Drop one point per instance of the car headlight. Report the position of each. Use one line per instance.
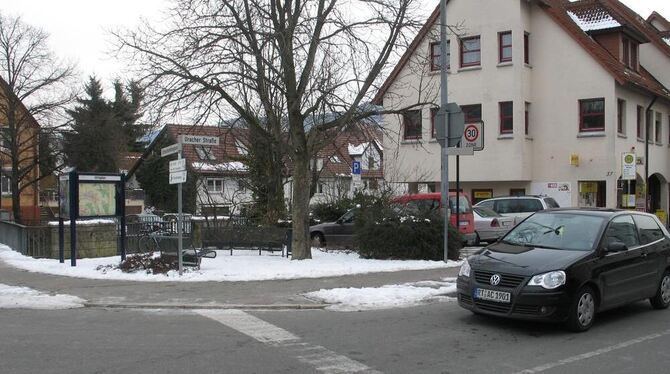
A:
(550, 280)
(465, 269)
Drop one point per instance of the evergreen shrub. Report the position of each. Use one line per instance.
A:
(383, 232)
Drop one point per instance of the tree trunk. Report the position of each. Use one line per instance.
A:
(301, 244)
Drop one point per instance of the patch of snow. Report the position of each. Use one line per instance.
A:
(225, 166)
(12, 297)
(241, 266)
(385, 297)
(357, 149)
(594, 19)
(85, 222)
(666, 40)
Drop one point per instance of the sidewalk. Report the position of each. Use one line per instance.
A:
(271, 294)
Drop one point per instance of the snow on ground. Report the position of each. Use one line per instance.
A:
(242, 266)
(385, 297)
(26, 298)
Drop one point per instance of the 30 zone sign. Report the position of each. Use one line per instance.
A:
(473, 136)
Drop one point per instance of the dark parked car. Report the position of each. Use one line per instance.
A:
(567, 264)
(334, 234)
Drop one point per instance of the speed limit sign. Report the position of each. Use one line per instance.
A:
(473, 136)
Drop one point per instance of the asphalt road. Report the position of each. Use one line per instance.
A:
(436, 338)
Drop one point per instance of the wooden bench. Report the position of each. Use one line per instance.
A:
(260, 238)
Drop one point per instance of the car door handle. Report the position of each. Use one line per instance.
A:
(644, 254)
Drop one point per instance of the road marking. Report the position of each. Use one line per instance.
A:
(591, 354)
(321, 358)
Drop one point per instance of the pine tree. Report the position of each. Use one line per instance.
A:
(102, 130)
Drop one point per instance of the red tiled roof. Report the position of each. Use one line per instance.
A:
(645, 27)
(227, 152)
(590, 11)
(556, 9)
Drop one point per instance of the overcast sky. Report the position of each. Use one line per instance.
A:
(78, 28)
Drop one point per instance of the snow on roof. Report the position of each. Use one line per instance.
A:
(357, 149)
(666, 39)
(591, 19)
(225, 166)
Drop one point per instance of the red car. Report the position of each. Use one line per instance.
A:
(431, 200)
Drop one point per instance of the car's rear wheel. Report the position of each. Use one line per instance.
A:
(582, 311)
(318, 240)
(662, 298)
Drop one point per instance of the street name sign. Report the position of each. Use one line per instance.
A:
(199, 140)
(178, 177)
(178, 165)
(170, 149)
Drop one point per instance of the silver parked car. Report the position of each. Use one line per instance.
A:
(489, 225)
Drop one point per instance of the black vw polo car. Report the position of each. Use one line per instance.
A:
(567, 264)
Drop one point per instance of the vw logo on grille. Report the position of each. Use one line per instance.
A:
(495, 279)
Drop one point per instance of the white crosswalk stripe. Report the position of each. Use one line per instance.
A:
(321, 358)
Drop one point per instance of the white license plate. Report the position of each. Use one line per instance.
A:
(464, 223)
(499, 296)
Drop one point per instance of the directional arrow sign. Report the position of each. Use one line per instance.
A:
(199, 140)
(178, 165)
(178, 177)
(170, 149)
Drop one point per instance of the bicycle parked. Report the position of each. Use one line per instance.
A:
(150, 241)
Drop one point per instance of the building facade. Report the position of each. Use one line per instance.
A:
(563, 89)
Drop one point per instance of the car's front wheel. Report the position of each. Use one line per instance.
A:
(662, 298)
(582, 311)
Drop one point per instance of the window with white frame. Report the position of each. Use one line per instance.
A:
(241, 185)
(214, 185)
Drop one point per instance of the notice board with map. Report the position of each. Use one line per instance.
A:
(97, 199)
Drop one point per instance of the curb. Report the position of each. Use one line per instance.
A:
(208, 306)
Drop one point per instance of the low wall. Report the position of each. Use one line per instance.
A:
(98, 240)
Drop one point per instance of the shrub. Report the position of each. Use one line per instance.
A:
(383, 233)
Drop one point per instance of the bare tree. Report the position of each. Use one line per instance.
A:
(295, 70)
(34, 85)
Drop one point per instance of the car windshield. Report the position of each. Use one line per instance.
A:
(485, 212)
(557, 231)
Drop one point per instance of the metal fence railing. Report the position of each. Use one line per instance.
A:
(32, 241)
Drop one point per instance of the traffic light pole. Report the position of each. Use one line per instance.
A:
(443, 107)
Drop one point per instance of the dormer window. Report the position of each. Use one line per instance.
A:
(629, 55)
(204, 153)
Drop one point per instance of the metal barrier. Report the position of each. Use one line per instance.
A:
(32, 241)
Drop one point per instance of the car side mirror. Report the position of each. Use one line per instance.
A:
(616, 246)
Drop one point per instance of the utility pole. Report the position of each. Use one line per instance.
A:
(443, 107)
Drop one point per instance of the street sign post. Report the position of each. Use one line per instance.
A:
(178, 176)
(628, 173)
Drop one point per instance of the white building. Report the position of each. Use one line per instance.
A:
(562, 88)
